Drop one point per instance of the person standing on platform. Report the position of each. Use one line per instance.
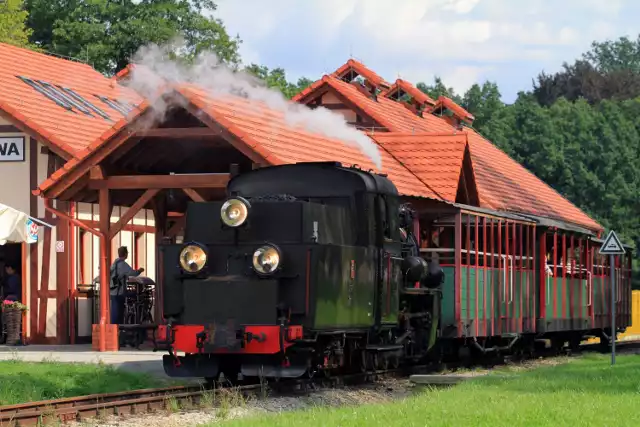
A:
(120, 272)
(12, 284)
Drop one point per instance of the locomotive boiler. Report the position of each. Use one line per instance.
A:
(303, 269)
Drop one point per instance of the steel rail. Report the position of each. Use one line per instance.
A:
(136, 402)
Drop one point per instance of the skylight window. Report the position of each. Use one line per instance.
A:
(80, 99)
(60, 101)
(120, 107)
(65, 98)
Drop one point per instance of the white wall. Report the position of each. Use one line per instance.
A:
(14, 176)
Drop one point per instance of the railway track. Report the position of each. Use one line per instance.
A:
(136, 402)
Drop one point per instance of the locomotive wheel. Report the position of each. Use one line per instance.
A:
(383, 362)
(362, 363)
(394, 361)
(374, 361)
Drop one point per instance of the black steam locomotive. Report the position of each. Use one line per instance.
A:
(304, 268)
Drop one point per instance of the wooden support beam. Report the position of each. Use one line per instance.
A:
(97, 172)
(132, 211)
(147, 182)
(194, 132)
(193, 195)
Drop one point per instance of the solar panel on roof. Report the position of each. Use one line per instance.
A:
(113, 104)
(65, 97)
(77, 97)
(61, 102)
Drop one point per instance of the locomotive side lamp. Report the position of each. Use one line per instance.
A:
(266, 259)
(193, 258)
(235, 211)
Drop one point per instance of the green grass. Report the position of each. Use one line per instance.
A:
(581, 392)
(22, 382)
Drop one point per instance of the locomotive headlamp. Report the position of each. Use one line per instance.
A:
(193, 258)
(266, 259)
(234, 212)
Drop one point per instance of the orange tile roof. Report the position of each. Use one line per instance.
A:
(389, 113)
(65, 131)
(364, 72)
(435, 159)
(448, 103)
(503, 183)
(412, 91)
(267, 133)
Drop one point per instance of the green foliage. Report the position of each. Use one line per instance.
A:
(610, 70)
(12, 23)
(438, 88)
(276, 78)
(577, 130)
(583, 392)
(107, 33)
(22, 382)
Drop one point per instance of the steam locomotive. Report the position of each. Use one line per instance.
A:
(315, 268)
(305, 268)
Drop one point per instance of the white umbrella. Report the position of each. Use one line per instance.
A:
(17, 226)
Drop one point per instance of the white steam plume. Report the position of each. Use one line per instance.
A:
(153, 69)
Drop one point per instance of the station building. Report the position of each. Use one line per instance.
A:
(81, 150)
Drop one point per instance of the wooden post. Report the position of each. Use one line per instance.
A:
(105, 257)
(458, 268)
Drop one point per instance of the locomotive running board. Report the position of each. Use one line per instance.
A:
(255, 370)
(190, 367)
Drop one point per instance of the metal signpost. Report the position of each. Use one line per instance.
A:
(612, 247)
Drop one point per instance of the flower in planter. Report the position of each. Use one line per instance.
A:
(14, 304)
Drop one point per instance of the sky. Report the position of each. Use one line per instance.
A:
(462, 41)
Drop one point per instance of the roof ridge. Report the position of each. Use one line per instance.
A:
(48, 54)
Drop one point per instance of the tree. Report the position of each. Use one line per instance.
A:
(107, 33)
(483, 102)
(617, 55)
(276, 78)
(610, 70)
(438, 88)
(12, 23)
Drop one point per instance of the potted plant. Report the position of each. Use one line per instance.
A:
(12, 313)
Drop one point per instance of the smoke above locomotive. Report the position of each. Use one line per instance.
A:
(155, 70)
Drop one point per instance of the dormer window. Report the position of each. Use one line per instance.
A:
(356, 73)
(452, 112)
(411, 97)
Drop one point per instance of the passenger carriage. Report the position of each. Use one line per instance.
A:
(514, 279)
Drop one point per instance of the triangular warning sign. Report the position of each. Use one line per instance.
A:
(612, 245)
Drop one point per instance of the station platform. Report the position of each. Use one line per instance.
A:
(133, 360)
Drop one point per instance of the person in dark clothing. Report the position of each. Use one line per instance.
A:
(120, 271)
(12, 284)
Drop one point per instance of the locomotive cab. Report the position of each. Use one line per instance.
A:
(296, 258)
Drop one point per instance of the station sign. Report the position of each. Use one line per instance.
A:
(12, 149)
